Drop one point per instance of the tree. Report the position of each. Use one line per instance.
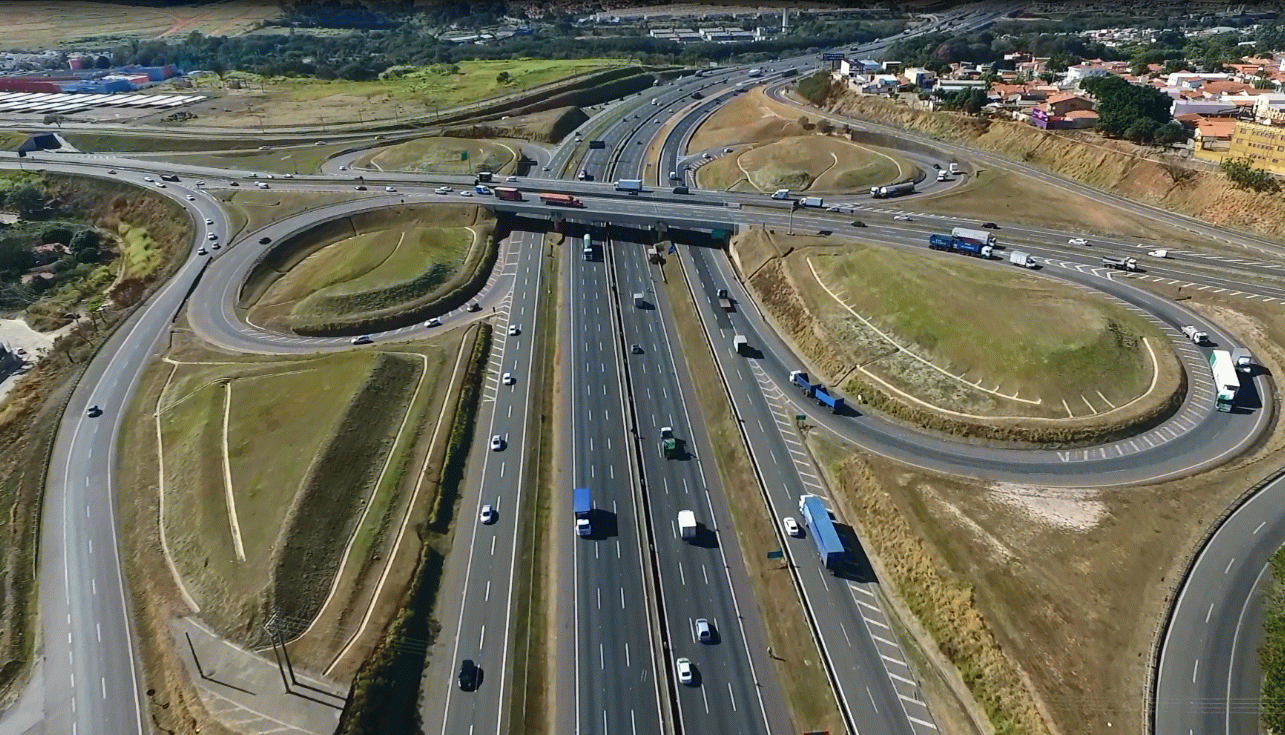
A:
(1127, 110)
(1142, 130)
(86, 240)
(1169, 133)
(1243, 173)
(60, 235)
(52, 117)
(103, 62)
(28, 199)
(502, 78)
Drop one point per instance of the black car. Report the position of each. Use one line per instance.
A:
(990, 226)
(858, 223)
(265, 240)
(94, 412)
(470, 675)
(636, 349)
(474, 307)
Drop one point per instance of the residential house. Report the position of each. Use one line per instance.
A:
(1269, 108)
(1080, 119)
(1203, 107)
(1060, 104)
(920, 77)
(1080, 72)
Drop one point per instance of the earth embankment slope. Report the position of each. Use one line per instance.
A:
(1202, 194)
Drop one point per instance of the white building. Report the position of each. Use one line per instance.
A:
(1080, 72)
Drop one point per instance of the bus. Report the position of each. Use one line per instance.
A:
(561, 200)
(1226, 382)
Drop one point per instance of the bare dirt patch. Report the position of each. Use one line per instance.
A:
(747, 118)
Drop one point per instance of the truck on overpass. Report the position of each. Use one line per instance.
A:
(560, 200)
(821, 528)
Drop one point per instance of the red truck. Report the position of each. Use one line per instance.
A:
(508, 193)
(561, 200)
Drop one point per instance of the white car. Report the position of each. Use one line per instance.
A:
(466, 193)
(791, 527)
(212, 236)
(512, 179)
(434, 322)
(487, 515)
(507, 379)
(200, 183)
(686, 674)
(288, 176)
(343, 168)
(513, 330)
(149, 179)
(191, 198)
(362, 340)
(902, 218)
(442, 190)
(202, 251)
(209, 221)
(496, 443)
(1077, 241)
(389, 188)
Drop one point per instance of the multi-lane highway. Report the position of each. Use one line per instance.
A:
(90, 681)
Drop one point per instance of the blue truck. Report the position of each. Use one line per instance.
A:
(816, 391)
(959, 245)
(821, 528)
(582, 504)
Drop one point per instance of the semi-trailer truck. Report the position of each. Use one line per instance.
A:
(561, 200)
(821, 528)
(982, 237)
(883, 192)
(629, 185)
(1226, 382)
(1123, 264)
(812, 202)
(816, 391)
(582, 505)
(686, 525)
(955, 244)
(508, 194)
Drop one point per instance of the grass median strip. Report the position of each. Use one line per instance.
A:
(807, 688)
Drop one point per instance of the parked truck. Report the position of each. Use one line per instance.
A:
(812, 202)
(686, 525)
(629, 185)
(1195, 335)
(508, 194)
(894, 190)
(741, 344)
(724, 301)
(1243, 360)
(1019, 258)
(822, 530)
(982, 237)
(582, 504)
(816, 391)
(958, 245)
(1123, 264)
(781, 194)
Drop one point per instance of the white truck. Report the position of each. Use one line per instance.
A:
(1019, 258)
(741, 344)
(1195, 335)
(943, 176)
(1123, 264)
(686, 524)
(954, 168)
(629, 185)
(781, 194)
(1243, 360)
(639, 301)
(812, 202)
